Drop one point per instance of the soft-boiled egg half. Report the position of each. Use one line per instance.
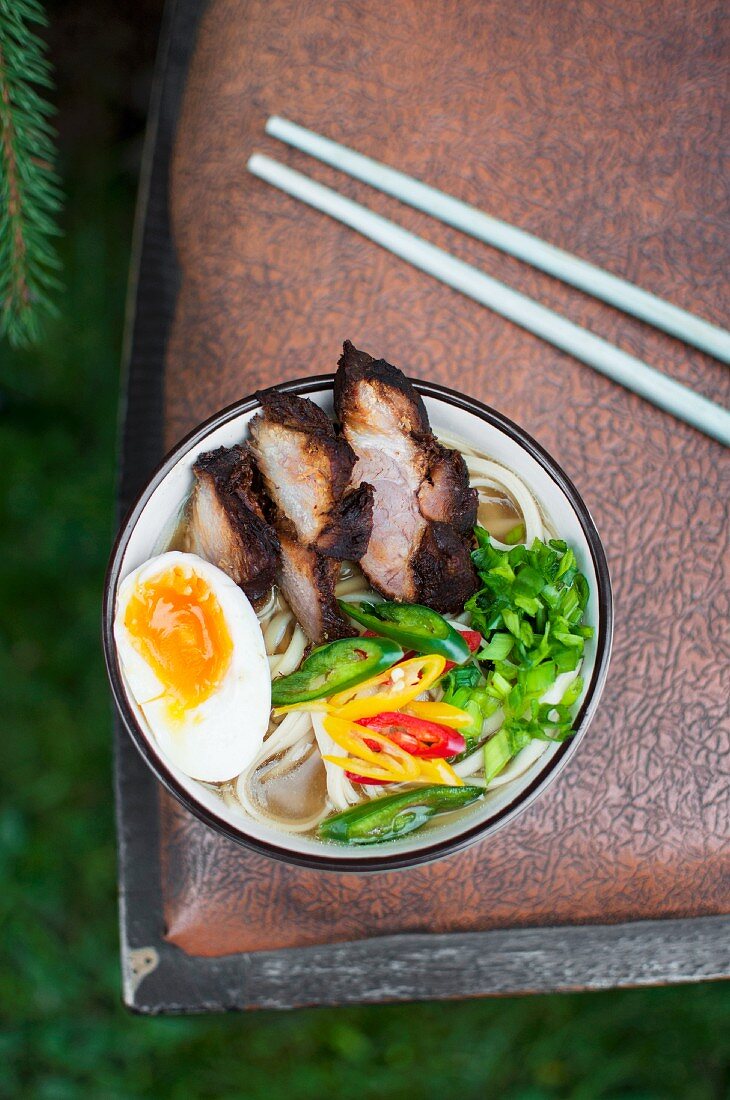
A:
(193, 656)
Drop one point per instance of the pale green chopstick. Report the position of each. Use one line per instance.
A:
(604, 357)
(563, 265)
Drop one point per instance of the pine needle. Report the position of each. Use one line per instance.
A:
(30, 195)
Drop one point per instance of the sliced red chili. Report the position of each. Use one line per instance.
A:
(369, 782)
(472, 638)
(418, 736)
(374, 746)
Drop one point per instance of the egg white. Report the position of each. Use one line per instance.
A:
(217, 739)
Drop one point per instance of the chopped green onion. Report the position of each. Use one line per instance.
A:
(504, 571)
(516, 534)
(530, 604)
(498, 648)
(496, 755)
(538, 680)
(529, 609)
(528, 582)
(566, 659)
(567, 562)
(511, 621)
(501, 686)
(572, 692)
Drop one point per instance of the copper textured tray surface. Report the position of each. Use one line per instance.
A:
(599, 129)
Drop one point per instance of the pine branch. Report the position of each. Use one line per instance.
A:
(30, 195)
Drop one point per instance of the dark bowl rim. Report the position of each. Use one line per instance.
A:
(381, 860)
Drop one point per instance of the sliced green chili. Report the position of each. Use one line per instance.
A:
(394, 815)
(335, 667)
(412, 626)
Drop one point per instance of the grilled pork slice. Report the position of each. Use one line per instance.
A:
(308, 580)
(423, 508)
(320, 520)
(226, 524)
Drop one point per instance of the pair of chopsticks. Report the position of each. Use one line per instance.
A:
(618, 365)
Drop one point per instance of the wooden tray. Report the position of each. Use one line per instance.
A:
(597, 134)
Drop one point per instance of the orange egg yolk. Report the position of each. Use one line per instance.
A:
(177, 625)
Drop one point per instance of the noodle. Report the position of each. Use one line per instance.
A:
(485, 473)
(253, 811)
(292, 655)
(288, 737)
(339, 788)
(276, 629)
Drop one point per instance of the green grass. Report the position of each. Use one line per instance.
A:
(65, 1034)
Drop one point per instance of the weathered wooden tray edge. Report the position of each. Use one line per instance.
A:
(159, 978)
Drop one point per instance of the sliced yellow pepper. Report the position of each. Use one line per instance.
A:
(365, 770)
(396, 761)
(441, 772)
(443, 713)
(320, 706)
(391, 763)
(429, 771)
(389, 690)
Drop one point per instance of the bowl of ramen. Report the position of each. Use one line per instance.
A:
(356, 621)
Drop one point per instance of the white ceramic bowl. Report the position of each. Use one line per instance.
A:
(150, 523)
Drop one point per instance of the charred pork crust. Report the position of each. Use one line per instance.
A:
(226, 524)
(346, 534)
(356, 366)
(445, 496)
(443, 570)
(308, 580)
(423, 507)
(306, 468)
(298, 413)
